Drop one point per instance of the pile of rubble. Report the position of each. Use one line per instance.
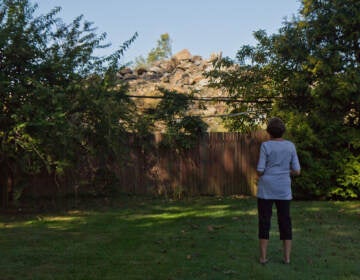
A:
(183, 73)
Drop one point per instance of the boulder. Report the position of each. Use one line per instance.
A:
(183, 55)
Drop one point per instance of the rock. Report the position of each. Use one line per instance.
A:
(195, 79)
(155, 69)
(177, 76)
(128, 77)
(197, 58)
(165, 78)
(141, 70)
(214, 56)
(125, 71)
(168, 65)
(183, 55)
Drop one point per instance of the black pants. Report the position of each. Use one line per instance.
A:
(283, 215)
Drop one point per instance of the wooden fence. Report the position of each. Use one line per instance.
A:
(219, 164)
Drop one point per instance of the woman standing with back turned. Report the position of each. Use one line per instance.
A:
(277, 161)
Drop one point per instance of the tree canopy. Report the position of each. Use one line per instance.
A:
(310, 72)
(57, 100)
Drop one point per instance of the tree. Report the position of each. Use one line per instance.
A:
(249, 84)
(181, 131)
(160, 52)
(59, 103)
(310, 71)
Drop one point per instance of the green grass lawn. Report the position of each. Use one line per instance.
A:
(204, 238)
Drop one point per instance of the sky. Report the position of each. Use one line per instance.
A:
(203, 27)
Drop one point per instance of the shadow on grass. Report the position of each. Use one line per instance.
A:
(206, 238)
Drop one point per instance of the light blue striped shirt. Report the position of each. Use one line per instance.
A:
(277, 158)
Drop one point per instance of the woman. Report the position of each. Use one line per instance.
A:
(277, 161)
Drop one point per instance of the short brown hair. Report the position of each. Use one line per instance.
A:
(275, 127)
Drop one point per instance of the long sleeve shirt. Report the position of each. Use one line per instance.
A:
(276, 160)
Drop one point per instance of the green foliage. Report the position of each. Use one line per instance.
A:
(349, 180)
(310, 70)
(315, 174)
(160, 52)
(182, 131)
(320, 61)
(250, 85)
(60, 104)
